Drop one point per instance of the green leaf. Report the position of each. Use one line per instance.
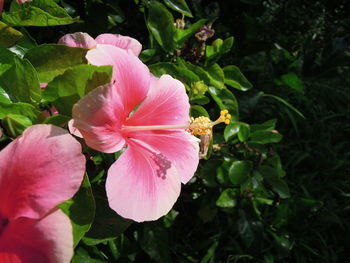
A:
(160, 23)
(264, 137)
(178, 72)
(37, 13)
(225, 100)
(107, 224)
(216, 76)
(66, 89)
(155, 242)
(271, 176)
(218, 48)
(228, 198)
(19, 108)
(8, 35)
(231, 130)
(147, 54)
(179, 6)
(244, 132)
(245, 228)
(235, 78)
(266, 126)
(15, 124)
(170, 218)
(208, 172)
(239, 171)
(196, 111)
(201, 100)
(290, 106)
(52, 60)
(182, 35)
(81, 210)
(24, 44)
(4, 97)
(21, 82)
(293, 81)
(58, 120)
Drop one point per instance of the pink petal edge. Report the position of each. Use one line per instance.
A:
(124, 42)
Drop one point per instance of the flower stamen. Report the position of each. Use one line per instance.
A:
(203, 125)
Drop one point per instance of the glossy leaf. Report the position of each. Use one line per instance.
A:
(216, 76)
(81, 210)
(218, 48)
(155, 242)
(19, 108)
(179, 6)
(21, 82)
(264, 137)
(24, 44)
(228, 198)
(239, 171)
(15, 124)
(244, 132)
(49, 64)
(178, 72)
(225, 100)
(66, 89)
(107, 224)
(160, 23)
(58, 120)
(8, 35)
(37, 13)
(293, 81)
(234, 78)
(277, 184)
(231, 130)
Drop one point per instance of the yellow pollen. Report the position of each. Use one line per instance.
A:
(203, 125)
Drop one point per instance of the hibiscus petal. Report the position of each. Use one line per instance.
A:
(39, 170)
(74, 130)
(78, 39)
(124, 42)
(180, 147)
(28, 240)
(142, 184)
(130, 75)
(166, 103)
(98, 116)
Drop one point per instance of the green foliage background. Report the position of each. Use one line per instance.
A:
(280, 67)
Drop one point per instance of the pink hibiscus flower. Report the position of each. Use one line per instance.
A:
(144, 183)
(38, 170)
(83, 40)
(23, 1)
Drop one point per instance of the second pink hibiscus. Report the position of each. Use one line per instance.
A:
(141, 112)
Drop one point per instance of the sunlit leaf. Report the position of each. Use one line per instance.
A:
(49, 64)
(37, 13)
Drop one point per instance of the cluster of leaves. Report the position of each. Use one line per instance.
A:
(238, 207)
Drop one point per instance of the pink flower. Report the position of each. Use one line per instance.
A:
(23, 1)
(38, 170)
(83, 40)
(144, 183)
